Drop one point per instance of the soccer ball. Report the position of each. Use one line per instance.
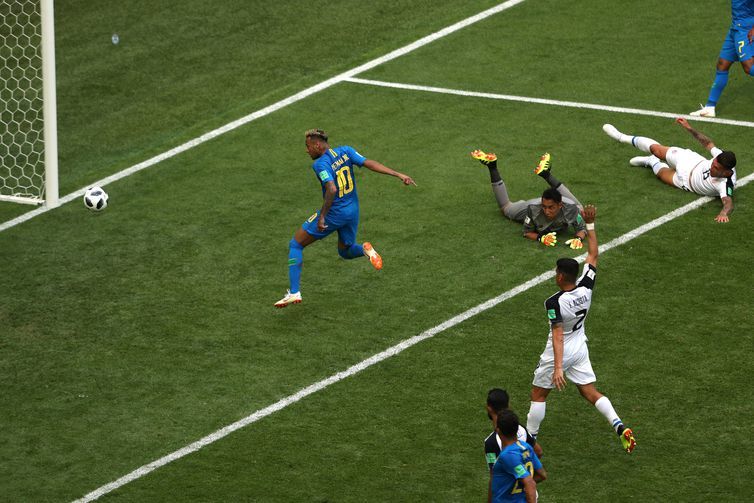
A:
(95, 199)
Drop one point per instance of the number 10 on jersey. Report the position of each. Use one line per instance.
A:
(345, 181)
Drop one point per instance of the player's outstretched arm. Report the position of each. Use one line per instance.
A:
(378, 167)
(701, 138)
(589, 213)
(723, 216)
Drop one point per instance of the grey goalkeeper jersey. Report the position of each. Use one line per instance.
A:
(569, 215)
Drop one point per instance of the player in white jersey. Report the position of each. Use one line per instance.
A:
(566, 354)
(686, 169)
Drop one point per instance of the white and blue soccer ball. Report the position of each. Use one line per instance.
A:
(95, 199)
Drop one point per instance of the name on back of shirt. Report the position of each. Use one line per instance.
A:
(578, 301)
(338, 162)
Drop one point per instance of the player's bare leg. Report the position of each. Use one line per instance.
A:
(747, 66)
(666, 175)
(303, 238)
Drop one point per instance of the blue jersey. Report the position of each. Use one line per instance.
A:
(515, 462)
(336, 165)
(742, 11)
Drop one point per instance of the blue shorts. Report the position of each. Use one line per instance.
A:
(736, 46)
(345, 223)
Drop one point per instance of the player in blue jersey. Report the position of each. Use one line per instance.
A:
(737, 46)
(340, 210)
(517, 469)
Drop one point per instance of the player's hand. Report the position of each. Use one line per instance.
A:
(558, 379)
(550, 239)
(321, 225)
(750, 35)
(407, 180)
(683, 123)
(575, 244)
(721, 219)
(589, 213)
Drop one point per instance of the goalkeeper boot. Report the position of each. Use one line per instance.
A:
(628, 440)
(544, 165)
(290, 298)
(374, 257)
(705, 111)
(486, 159)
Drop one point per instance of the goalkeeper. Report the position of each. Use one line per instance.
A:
(543, 218)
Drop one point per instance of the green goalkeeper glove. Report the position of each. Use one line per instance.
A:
(550, 239)
(576, 243)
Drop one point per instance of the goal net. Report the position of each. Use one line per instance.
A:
(28, 135)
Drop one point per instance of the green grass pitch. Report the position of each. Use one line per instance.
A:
(130, 334)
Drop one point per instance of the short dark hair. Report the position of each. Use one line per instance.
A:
(497, 399)
(569, 268)
(507, 423)
(727, 159)
(317, 133)
(552, 195)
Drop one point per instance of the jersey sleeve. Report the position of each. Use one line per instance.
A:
(356, 157)
(726, 188)
(588, 277)
(529, 225)
(490, 451)
(511, 463)
(536, 463)
(714, 151)
(578, 223)
(323, 172)
(552, 305)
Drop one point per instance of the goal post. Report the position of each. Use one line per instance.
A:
(28, 118)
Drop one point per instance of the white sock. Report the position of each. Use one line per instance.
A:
(606, 408)
(641, 142)
(535, 417)
(656, 164)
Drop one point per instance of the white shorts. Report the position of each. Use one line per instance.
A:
(683, 161)
(576, 367)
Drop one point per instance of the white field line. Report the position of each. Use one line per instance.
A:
(271, 108)
(542, 101)
(384, 355)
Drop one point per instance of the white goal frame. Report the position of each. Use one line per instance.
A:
(50, 189)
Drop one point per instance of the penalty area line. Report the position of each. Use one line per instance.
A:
(543, 101)
(384, 355)
(271, 108)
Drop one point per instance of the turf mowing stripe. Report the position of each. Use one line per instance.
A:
(392, 351)
(271, 108)
(542, 101)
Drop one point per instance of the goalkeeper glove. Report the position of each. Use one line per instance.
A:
(550, 239)
(576, 243)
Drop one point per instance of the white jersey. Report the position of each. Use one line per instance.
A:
(693, 173)
(569, 309)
